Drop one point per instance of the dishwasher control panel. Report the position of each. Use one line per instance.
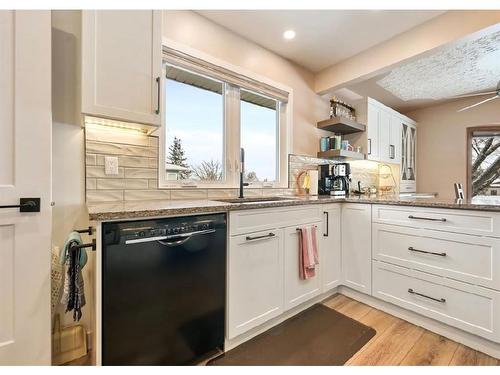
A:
(171, 230)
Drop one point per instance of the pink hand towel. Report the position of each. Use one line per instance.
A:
(308, 252)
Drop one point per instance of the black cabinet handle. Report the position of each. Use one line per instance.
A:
(441, 300)
(426, 252)
(26, 205)
(157, 111)
(425, 218)
(270, 235)
(327, 225)
(392, 152)
(369, 146)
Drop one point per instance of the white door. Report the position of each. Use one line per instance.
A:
(121, 64)
(395, 144)
(373, 132)
(297, 290)
(25, 141)
(329, 239)
(255, 280)
(384, 133)
(357, 246)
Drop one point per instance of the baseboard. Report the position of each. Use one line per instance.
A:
(238, 340)
(452, 333)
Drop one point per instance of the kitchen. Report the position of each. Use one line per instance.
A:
(197, 163)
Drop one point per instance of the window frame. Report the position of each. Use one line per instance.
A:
(231, 141)
(469, 134)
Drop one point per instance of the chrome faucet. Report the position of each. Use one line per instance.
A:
(242, 171)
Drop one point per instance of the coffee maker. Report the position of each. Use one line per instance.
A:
(325, 179)
(340, 179)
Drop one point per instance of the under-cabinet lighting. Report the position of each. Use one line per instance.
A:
(289, 34)
(122, 126)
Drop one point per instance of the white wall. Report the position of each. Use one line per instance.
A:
(195, 31)
(68, 173)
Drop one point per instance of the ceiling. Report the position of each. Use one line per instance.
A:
(324, 37)
(467, 66)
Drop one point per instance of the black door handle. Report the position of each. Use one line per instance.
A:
(158, 85)
(26, 205)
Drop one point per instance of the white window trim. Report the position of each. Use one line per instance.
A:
(232, 136)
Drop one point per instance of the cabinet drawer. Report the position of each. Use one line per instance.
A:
(450, 220)
(248, 221)
(471, 308)
(462, 257)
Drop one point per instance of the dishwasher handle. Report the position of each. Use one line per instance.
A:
(173, 240)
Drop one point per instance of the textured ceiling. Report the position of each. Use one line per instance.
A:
(462, 68)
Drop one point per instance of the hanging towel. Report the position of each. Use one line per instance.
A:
(308, 252)
(74, 292)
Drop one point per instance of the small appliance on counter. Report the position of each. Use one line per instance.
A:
(340, 179)
(334, 179)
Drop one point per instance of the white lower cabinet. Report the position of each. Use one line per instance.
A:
(297, 290)
(255, 280)
(330, 247)
(356, 246)
(469, 307)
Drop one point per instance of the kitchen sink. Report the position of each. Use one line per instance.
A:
(255, 200)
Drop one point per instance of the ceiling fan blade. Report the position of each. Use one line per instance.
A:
(481, 102)
(476, 94)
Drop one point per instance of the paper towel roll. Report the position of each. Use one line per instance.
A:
(313, 174)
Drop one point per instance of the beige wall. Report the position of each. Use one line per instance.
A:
(441, 142)
(195, 31)
(68, 173)
(437, 32)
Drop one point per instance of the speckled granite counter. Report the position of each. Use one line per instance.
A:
(159, 208)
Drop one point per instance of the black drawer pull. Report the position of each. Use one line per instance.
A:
(440, 300)
(327, 225)
(270, 235)
(426, 218)
(426, 252)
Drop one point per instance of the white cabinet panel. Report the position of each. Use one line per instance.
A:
(356, 246)
(297, 290)
(255, 280)
(462, 257)
(384, 133)
(121, 64)
(471, 308)
(395, 140)
(330, 247)
(481, 223)
(372, 129)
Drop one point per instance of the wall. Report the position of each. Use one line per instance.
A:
(191, 29)
(441, 142)
(68, 173)
(437, 32)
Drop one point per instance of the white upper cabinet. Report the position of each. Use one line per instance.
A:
(122, 64)
(372, 130)
(408, 181)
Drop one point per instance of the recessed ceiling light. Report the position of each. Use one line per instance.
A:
(289, 34)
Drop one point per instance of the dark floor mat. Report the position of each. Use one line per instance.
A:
(318, 336)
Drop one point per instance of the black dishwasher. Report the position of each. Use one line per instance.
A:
(163, 290)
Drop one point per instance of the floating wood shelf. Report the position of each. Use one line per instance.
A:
(341, 125)
(341, 154)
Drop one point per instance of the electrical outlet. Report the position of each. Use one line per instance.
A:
(111, 165)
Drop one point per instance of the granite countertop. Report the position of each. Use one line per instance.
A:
(158, 208)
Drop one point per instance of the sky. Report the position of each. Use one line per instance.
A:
(196, 117)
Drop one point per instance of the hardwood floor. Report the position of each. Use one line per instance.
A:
(398, 342)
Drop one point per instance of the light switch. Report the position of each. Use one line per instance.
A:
(111, 165)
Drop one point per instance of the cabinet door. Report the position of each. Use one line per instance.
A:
(329, 248)
(395, 140)
(255, 280)
(297, 290)
(372, 130)
(408, 158)
(121, 64)
(384, 134)
(356, 246)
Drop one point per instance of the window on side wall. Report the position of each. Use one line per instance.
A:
(484, 162)
(208, 119)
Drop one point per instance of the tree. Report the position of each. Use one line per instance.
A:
(485, 163)
(176, 156)
(208, 170)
